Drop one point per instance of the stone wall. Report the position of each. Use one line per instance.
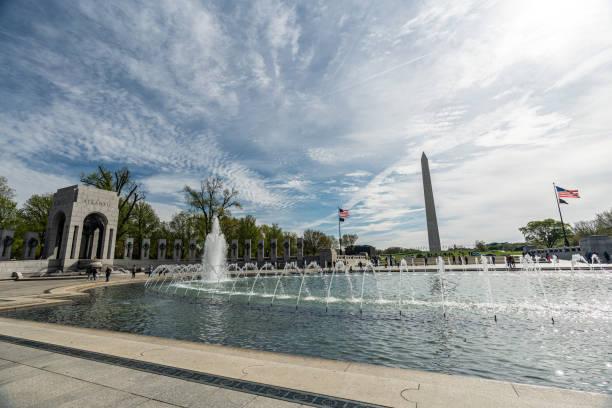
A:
(143, 263)
(30, 267)
(596, 243)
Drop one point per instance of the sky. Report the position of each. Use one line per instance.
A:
(308, 106)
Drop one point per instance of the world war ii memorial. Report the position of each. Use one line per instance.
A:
(123, 285)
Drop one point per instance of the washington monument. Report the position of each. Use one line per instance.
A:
(430, 207)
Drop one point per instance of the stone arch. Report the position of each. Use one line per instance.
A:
(93, 236)
(56, 241)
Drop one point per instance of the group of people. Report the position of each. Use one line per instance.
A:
(593, 257)
(92, 272)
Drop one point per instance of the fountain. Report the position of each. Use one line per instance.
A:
(213, 261)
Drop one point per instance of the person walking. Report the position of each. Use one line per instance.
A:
(453, 259)
(94, 272)
(607, 257)
(493, 259)
(108, 273)
(150, 270)
(89, 275)
(133, 271)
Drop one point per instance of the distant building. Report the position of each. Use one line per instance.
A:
(369, 250)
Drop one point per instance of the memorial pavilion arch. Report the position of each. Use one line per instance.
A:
(93, 236)
(82, 226)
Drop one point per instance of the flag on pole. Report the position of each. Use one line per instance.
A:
(343, 213)
(563, 193)
(562, 201)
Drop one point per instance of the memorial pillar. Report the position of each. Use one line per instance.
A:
(6, 243)
(30, 243)
(234, 249)
(178, 249)
(161, 249)
(145, 248)
(128, 247)
(260, 252)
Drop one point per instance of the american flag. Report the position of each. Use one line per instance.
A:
(563, 193)
(343, 213)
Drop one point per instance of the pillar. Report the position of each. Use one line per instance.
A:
(145, 248)
(161, 249)
(234, 251)
(30, 243)
(128, 248)
(247, 250)
(273, 250)
(287, 249)
(193, 249)
(6, 243)
(260, 251)
(300, 251)
(178, 249)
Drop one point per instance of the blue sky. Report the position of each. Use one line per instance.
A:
(304, 106)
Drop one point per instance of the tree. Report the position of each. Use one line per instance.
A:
(271, 232)
(583, 229)
(212, 200)
(333, 242)
(35, 212)
(8, 207)
(546, 233)
(349, 239)
(480, 246)
(248, 229)
(143, 222)
(603, 223)
(313, 241)
(182, 226)
(121, 182)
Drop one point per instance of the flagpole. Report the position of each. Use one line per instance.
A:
(560, 215)
(339, 235)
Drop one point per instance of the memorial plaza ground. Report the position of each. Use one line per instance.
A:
(49, 365)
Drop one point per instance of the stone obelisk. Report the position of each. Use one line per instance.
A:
(430, 207)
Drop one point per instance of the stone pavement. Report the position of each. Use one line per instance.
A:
(36, 378)
(32, 376)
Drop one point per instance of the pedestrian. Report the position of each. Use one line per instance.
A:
(94, 272)
(607, 257)
(425, 261)
(133, 271)
(466, 259)
(453, 259)
(493, 259)
(150, 270)
(108, 273)
(89, 276)
(547, 256)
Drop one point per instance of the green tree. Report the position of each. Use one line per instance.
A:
(8, 207)
(212, 200)
(271, 232)
(480, 246)
(349, 240)
(583, 229)
(33, 216)
(547, 233)
(603, 223)
(313, 241)
(143, 222)
(121, 182)
(182, 226)
(248, 229)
